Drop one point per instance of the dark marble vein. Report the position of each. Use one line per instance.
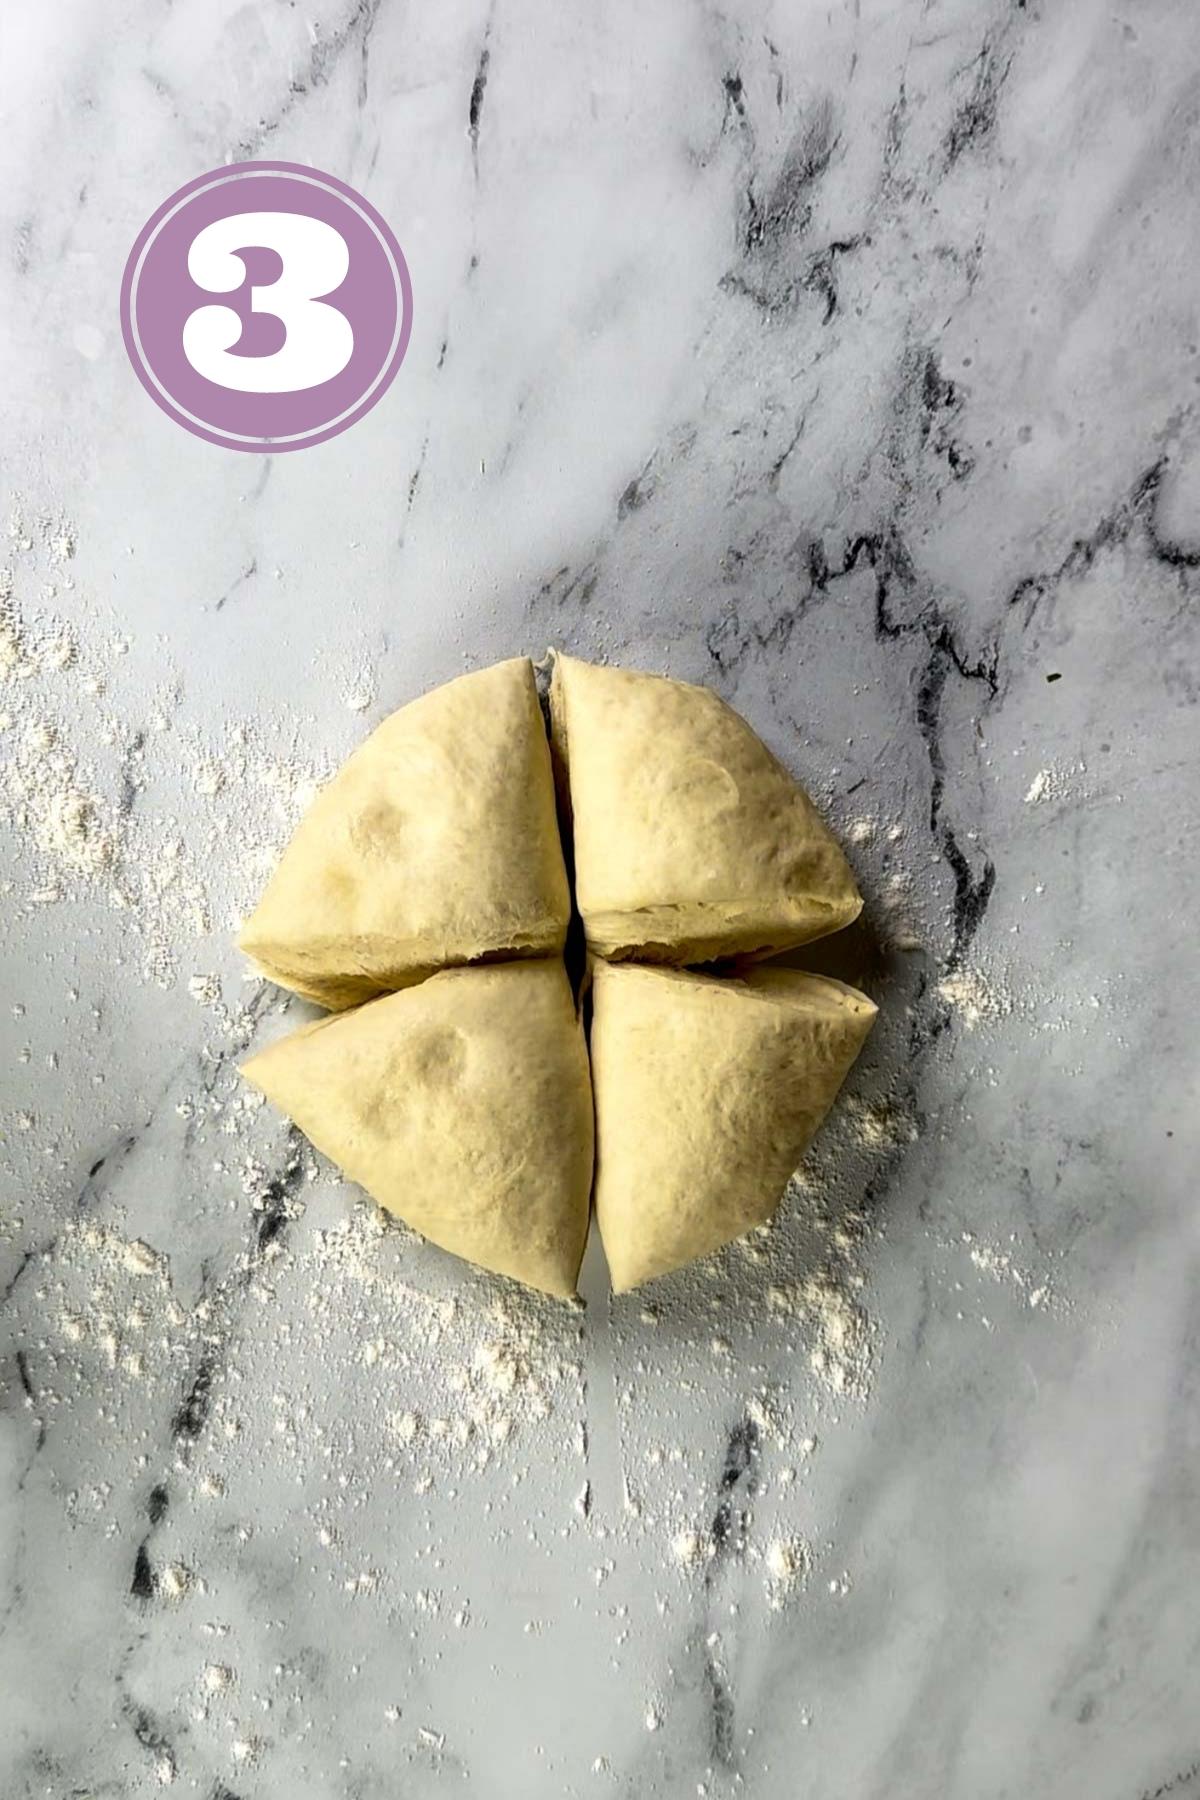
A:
(23, 1376)
(148, 1733)
(1174, 1784)
(891, 565)
(273, 1206)
(566, 584)
(414, 480)
(325, 57)
(191, 1415)
(820, 275)
(975, 120)
(728, 1530)
(775, 269)
(27, 1257)
(475, 104)
(635, 494)
(785, 211)
(1137, 512)
(142, 1587)
(736, 117)
(941, 405)
(922, 617)
(239, 580)
(111, 1159)
(781, 460)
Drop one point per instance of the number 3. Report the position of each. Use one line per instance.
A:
(319, 341)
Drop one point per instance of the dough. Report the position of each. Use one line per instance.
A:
(707, 1094)
(463, 1105)
(691, 841)
(436, 844)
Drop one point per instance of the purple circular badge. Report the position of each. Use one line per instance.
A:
(266, 306)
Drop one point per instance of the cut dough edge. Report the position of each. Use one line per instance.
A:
(691, 932)
(389, 969)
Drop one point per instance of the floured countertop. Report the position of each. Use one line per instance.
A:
(844, 359)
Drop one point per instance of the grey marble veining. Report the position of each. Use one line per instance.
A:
(844, 357)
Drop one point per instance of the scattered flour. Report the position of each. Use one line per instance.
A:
(175, 1581)
(492, 1365)
(1054, 783)
(896, 904)
(102, 825)
(359, 694)
(1001, 1265)
(975, 997)
(140, 1259)
(826, 1302)
(691, 1548)
(883, 1123)
(788, 1560)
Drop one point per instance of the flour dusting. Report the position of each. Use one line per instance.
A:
(975, 997)
(107, 824)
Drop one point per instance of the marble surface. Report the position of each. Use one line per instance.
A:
(844, 356)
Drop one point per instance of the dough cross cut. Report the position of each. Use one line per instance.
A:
(424, 899)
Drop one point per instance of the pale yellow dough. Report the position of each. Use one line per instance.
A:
(691, 841)
(436, 844)
(707, 1094)
(463, 1106)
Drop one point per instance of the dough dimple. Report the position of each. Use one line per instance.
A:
(379, 829)
(703, 788)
